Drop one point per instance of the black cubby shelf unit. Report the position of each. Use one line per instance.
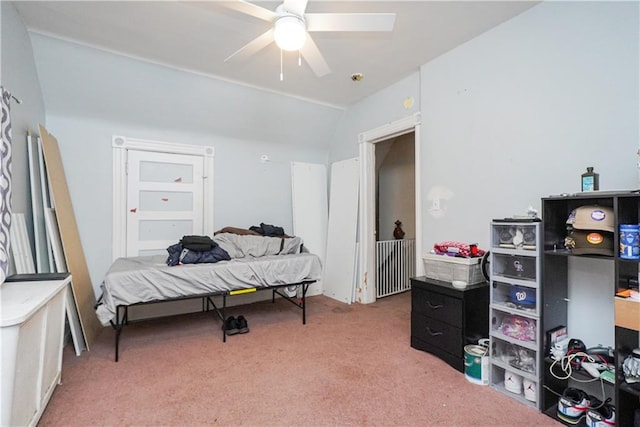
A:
(555, 276)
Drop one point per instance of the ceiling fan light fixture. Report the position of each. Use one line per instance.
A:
(290, 32)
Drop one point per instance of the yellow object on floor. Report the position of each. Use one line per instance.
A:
(242, 291)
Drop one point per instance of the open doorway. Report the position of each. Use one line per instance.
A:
(366, 292)
(395, 214)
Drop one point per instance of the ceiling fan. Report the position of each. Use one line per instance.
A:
(290, 26)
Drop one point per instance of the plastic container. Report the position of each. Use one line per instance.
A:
(448, 269)
(514, 266)
(629, 241)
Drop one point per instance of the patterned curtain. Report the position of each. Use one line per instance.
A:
(5, 184)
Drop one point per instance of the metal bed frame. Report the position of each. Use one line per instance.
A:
(122, 311)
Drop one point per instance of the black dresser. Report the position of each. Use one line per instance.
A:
(444, 319)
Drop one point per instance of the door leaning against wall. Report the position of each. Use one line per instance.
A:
(162, 192)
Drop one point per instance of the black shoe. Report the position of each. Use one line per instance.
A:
(231, 326)
(243, 326)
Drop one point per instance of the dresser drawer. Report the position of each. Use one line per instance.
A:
(436, 333)
(437, 306)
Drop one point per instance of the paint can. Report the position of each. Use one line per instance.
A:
(629, 241)
(476, 364)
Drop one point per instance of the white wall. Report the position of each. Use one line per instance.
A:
(91, 95)
(519, 113)
(18, 76)
(84, 82)
(374, 111)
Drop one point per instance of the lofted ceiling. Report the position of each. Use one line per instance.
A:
(198, 36)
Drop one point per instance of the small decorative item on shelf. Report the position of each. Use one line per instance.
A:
(590, 180)
(631, 367)
(398, 234)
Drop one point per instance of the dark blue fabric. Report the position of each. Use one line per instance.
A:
(180, 255)
(174, 254)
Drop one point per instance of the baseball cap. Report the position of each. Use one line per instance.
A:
(522, 296)
(592, 217)
(582, 242)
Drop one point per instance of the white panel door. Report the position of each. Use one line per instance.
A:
(164, 200)
(339, 272)
(310, 210)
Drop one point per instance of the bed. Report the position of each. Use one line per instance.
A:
(257, 263)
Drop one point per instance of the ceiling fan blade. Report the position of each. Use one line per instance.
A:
(296, 7)
(253, 10)
(314, 58)
(350, 21)
(253, 46)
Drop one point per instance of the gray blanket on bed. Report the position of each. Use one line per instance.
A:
(241, 246)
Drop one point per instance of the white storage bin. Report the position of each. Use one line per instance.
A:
(448, 268)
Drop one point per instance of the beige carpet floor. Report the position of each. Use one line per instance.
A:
(349, 365)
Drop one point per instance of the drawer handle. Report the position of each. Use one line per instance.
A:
(433, 334)
(435, 307)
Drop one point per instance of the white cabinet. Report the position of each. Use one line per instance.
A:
(31, 333)
(514, 313)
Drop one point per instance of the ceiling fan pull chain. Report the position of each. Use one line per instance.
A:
(281, 73)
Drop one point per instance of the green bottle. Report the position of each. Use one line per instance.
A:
(590, 180)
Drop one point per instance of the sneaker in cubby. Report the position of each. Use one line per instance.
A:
(601, 414)
(573, 405)
(513, 382)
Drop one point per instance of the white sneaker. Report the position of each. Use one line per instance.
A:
(529, 390)
(513, 382)
(602, 416)
(573, 405)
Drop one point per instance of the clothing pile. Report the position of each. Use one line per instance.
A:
(230, 245)
(196, 250)
(459, 249)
